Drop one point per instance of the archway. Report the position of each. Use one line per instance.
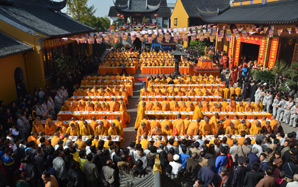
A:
(19, 81)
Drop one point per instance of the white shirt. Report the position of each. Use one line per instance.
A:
(176, 167)
(292, 184)
(259, 148)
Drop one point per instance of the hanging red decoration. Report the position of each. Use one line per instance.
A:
(122, 16)
(118, 15)
(155, 15)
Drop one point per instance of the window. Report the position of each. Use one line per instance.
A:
(175, 21)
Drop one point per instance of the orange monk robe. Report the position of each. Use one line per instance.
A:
(80, 107)
(140, 116)
(214, 109)
(55, 140)
(89, 108)
(230, 142)
(118, 125)
(273, 122)
(241, 140)
(224, 104)
(145, 143)
(205, 128)
(229, 130)
(232, 91)
(248, 124)
(254, 122)
(166, 122)
(214, 126)
(38, 127)
(179, 125)
(205, 107)
(168, 132)
(256, 108)
(263, 122)
(106, 123)
(236, 123)
(73, 131)
(197, 113)
(154, 123)
(157, 107)
(255, 130)
(217, 93)
(100, 130)
(226, 93)
(190, 108)
(81, 123)
(248, 108)
(183, 108)
(230, 108)
(93, 124)
(85, 130)
(186, 124)
(142, 131)
(238, 91)
(50, 130)
(239, 108)
(165, 107)
(149, 106)
(226, 123)
(240, 128)
(62, 126)
(191, 93)
(113, 131)
(126, 115)
(158, 142)
(156, 132)
(193, 128)
(32, 138)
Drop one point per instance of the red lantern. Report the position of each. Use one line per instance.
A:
(122, 16)
(118, 15)
(155, 15)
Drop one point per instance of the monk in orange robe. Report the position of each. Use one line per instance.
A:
(178, 125)
(194, 128)
(106, 123)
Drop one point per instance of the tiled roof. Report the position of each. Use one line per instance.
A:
(10, 46)
(197, 8)
(42, 18)
(284, 12)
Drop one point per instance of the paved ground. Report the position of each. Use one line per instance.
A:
(130, 133)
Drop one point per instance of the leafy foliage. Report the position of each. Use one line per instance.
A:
(79, 10)
(198, 46)
(265, 76)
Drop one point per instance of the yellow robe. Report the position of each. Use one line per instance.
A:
(140, 116)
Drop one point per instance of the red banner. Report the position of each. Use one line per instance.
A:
(237, 51)
(257, 40)
(262, 50)
(273, 52)
(231, 46)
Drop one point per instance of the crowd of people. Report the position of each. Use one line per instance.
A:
(35, 150)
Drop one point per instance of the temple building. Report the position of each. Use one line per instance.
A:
(31, 34)
(261, 31)
(141, 12)
(189, 13)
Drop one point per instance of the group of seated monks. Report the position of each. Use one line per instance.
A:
(108, 91)
(74, 128)
(186, 79)
(160, 59)
(112, 80)
(205, 126)
(190, 91)
(116, 59)
(204, 106)
(99, 106)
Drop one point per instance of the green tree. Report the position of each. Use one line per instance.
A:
(79, 10)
